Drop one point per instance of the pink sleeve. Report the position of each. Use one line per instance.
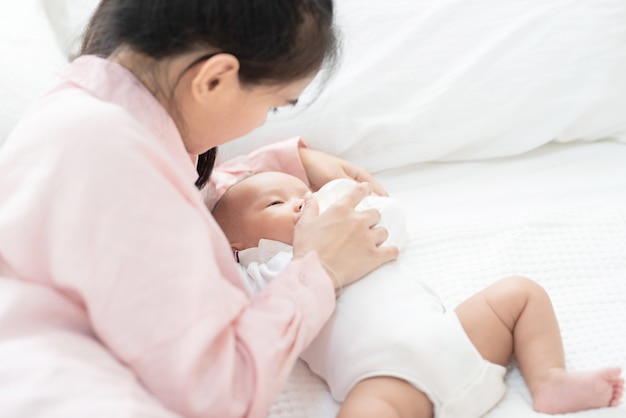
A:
(282, 156)
(116, 225)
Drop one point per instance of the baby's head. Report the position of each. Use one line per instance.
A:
(265, 205)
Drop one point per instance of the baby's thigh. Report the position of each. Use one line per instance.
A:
(385, 397)
(489, 317)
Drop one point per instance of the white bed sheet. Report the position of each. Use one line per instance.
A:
(556, 214)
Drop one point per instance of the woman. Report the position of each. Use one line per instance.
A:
(101, 208)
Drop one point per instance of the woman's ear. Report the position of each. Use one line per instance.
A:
(217, 76)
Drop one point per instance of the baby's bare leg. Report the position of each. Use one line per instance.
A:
(385, 397)
(515, 315)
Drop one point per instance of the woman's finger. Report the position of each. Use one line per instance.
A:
(355, 195)
(380, 235)
(361, 175)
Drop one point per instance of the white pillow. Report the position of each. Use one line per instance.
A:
(445, 80)
(30, 57)
(420, 80)
(36, 38)
(68, 19)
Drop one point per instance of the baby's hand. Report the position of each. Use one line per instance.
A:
(322, 167)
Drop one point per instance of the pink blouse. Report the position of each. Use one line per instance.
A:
(98, 205)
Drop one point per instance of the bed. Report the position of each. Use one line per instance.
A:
(501, 127)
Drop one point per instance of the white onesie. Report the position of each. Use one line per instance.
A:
(390, 324)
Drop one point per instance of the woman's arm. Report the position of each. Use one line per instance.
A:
(112, 222)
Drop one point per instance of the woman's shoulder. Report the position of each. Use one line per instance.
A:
(69, 116)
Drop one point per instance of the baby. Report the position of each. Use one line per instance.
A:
(391, 348)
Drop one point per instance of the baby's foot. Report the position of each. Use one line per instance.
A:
(565, 391)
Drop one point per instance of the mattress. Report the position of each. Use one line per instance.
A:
(556, 215)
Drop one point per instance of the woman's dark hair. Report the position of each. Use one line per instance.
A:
(275, 41)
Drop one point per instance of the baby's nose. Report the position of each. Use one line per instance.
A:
(299, 205)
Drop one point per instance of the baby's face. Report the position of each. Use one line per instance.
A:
(267, 205)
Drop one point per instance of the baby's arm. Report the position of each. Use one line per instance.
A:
(258, 275)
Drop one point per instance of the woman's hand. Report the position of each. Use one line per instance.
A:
(347, 241)
(322, 168)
